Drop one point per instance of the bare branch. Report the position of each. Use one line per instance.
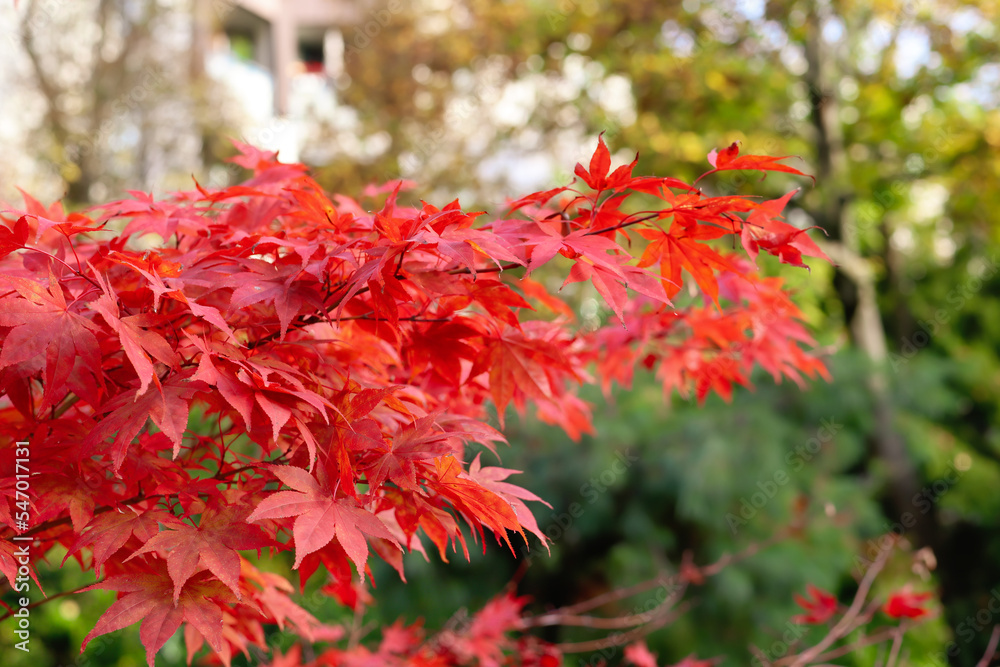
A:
(991, 648)
(847, 622)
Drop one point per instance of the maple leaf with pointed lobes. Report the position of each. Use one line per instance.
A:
(163, 218)
(523, 364)
(639, 655)
(15, 238)
(762, 230)
(271, 591)
(278, 285)
(149, 598)
(212, 545)
(820, 605)
(612, 285)
(600, 163)
(484, 639)
(47, 218)
(499, 300)
(320, 516)
(108, 532)
(906, 604)
(127, 414)
(176, 293)
(440, 348)
(10, 564)
(478, 504)
(137, 334)
(397, 461)
(729, 158)
(535, 199)
(681, 249)
(43, 324)
(492, 478)
(580, 243)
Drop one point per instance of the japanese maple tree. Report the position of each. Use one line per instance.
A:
(345, 363)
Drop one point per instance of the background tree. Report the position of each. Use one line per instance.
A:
(120, 95)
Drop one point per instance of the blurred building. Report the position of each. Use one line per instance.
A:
(275, 56)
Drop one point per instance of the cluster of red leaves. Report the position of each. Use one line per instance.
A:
(345, 361)
(821, 606)
(482, 640)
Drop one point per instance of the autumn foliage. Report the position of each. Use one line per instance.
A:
(266, 368)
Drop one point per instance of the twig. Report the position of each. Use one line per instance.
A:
(619, 639)
(662, 580)
(991, 648)
(897, 643)
(847, 622)
(559, 617)
(359, 616)
(46, 599)
(868, 640)
(489, 269)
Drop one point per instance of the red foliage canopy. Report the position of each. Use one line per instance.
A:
(344, 360)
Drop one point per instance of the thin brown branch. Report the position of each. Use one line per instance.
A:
(897, 644)
(55, 523)
(622, 638)
(868, 640)
(50, 598)
(357, 625)
(846, 623)
(489, 269)
(623, 224)
(45, 84)
(614, 623)
(991, 648)
(663, 580)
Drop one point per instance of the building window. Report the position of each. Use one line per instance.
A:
(311, 55)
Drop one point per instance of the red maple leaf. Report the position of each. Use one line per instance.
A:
(320, 516)
(492, 478)
(597, 175)
(820, 606)
(678, 249)
(906, 604)
(128, 411)
(478, 504)
(396, 461)
(149, 598)
(729, 159)
(108, 532)
(44, 324)
(638, 654)
(212, 546)
(14, 238)
(763, 230)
